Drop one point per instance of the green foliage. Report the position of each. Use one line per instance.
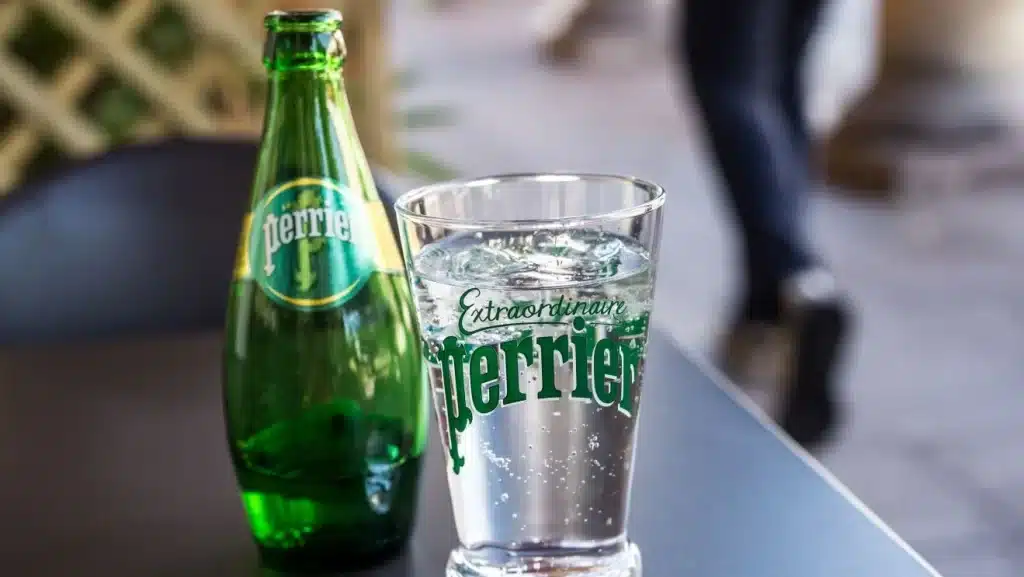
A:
(168, 38)
(425, 117)
(117, 107)
(425, 165)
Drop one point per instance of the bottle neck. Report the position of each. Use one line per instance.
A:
(303, 101)
(309, 130)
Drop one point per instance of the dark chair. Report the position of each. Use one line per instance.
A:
(141, 240)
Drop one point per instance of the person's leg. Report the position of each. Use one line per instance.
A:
(801, 24)
(816, 312)
(732, 51)
(744, 59)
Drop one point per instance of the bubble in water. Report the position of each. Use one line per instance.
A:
(608, 521)
(484, 262)
(504, 497)
(515, 515)
(499, 462)
(592, 442)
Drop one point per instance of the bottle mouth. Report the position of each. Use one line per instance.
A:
(308, 40)
(303, 21)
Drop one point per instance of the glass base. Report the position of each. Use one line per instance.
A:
(622, 561)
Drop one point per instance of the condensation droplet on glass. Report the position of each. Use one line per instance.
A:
(504, 497)
(515, 515)
(608, 521)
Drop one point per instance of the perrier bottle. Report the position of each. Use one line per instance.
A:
(324, 391)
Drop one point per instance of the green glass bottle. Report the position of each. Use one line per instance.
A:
(325, 396)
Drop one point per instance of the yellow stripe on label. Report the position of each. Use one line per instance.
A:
(388, 257)
(242, 265)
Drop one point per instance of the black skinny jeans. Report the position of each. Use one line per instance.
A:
(745, 62)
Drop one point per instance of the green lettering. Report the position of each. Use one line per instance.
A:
(607, 364)
(512, 350)
(548, 348)
(630, 351)
(581, 354)
(459, 416)
(465, 304)
(556, 307)
(478, 377)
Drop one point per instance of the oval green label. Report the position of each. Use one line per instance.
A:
(309, 247)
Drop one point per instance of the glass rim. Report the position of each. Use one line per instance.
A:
(656, 200)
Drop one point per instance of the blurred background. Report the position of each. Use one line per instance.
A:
(915, 106)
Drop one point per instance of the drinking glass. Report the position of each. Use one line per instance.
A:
(533, 294)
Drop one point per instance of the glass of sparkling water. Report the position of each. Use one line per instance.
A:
(533, 294)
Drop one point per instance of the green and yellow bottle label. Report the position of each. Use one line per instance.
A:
(311, 244)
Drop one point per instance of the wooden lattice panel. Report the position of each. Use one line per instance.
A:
(215, 89)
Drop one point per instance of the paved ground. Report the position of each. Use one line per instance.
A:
(935, 442)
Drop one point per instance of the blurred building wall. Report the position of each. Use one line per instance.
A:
(841, 64)
(950, 77)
